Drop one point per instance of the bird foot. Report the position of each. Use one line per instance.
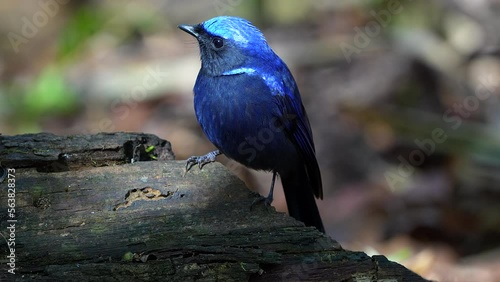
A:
(267, 201)
(200, 160)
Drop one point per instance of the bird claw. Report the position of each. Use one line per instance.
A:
(267, 201)
(200, 160)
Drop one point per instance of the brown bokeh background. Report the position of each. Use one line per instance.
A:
(403, 98)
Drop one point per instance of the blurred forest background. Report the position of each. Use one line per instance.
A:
(402, 95)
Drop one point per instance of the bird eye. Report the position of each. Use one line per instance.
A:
(218, 42)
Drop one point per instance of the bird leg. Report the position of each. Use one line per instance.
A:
(269, 199)
(201, 160)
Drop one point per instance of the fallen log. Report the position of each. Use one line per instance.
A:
(93, 215)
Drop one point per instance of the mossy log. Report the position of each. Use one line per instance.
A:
(103, 219)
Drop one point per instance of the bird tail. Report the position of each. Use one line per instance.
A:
(300, 198)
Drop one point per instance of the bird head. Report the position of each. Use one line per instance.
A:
(228, 43)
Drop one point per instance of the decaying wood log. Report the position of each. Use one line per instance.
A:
(105, 219)
(50, 153)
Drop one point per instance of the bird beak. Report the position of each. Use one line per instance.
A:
(191, 29)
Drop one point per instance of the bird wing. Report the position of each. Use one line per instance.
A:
(296, 125)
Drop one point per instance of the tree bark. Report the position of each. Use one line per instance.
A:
(99, 218)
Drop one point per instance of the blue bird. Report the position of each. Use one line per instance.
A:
(248, 105)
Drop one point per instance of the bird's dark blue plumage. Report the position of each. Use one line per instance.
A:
(248, 104)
